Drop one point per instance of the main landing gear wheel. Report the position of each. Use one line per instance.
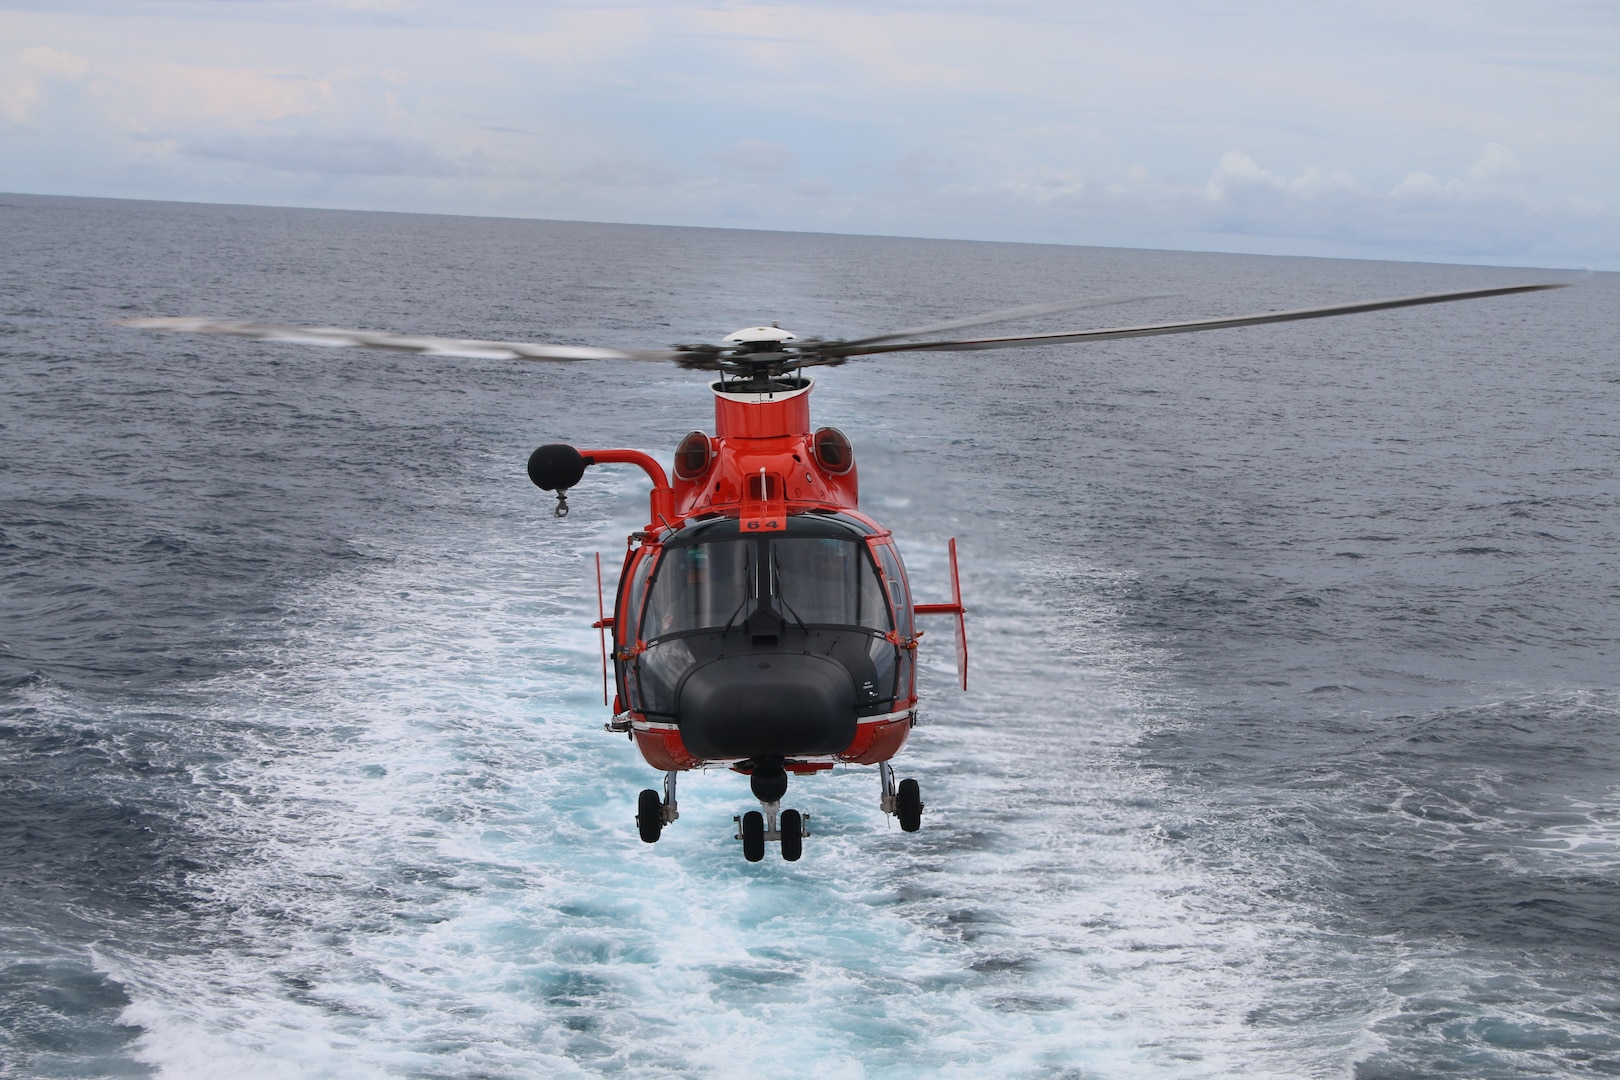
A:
(649, 816)
(908, 805)
(903, 800)
(753, 835)
(792, 830)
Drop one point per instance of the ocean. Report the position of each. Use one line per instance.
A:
(1291, 749)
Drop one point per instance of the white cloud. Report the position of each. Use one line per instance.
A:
(163, 97)
(33, 70)
(1498, 171)
(757, 156)
(1047, 187)
(625, 172)
(53, 61)
(923, 168)
(353, 155)
(1238, 180)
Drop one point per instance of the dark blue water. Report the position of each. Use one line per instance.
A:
(1291, 748)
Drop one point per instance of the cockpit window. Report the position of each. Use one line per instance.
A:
(699, 587)
(814, 580)
(828, 581)
(821, 584)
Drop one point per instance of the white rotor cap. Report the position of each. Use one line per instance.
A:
(754, 334)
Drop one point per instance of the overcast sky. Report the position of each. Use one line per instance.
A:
(1457, 130)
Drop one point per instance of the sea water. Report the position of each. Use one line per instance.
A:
(1290, 748)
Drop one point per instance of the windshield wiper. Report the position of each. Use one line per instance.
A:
(776, 590)
(748, 594)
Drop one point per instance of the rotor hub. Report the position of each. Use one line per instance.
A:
(755, 339)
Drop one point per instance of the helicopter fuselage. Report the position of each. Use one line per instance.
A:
(761, 621)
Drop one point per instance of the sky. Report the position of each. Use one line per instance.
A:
(1477, 131)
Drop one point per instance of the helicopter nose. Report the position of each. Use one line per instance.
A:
(778, 704)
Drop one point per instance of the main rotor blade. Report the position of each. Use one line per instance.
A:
(1007, 315)
(1065, 336)
(413, 343)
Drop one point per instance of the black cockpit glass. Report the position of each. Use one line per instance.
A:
(804, 590)
(824, 581)
(811, 580)
(698, 587)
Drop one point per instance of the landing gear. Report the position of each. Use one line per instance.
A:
(769, 780)
(653, 813)
(905, 802)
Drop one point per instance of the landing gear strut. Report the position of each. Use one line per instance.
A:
(653, 813)
(769, 781)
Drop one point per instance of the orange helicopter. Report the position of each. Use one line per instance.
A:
(761, 621)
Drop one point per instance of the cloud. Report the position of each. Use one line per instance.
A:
(1487, 209)
(1498, 171)
(757, 156)
(923, 167)
(36, 68)
(147, 98)
(624, 172)
(1049, 187)
(356, 156)
(1238, 181)
(54, 62)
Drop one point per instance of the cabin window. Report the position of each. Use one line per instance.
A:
(894, 578)
(894, 575)
(633, 590)
(637, 590)
(661, 668)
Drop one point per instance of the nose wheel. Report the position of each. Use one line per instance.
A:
(770, 822)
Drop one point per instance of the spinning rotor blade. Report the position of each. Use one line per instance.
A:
(1007, 315)
(797, 354)
(1065, 336)
(414, 343)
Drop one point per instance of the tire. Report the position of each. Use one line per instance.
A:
(753, 836)
(792, 826)
(908, 805)
(650, 816)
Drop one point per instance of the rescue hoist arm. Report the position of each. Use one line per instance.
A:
(558, 467)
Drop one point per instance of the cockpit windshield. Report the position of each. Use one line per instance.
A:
(700, 586)
(811, 580)
(827, 581)
(820, 585)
